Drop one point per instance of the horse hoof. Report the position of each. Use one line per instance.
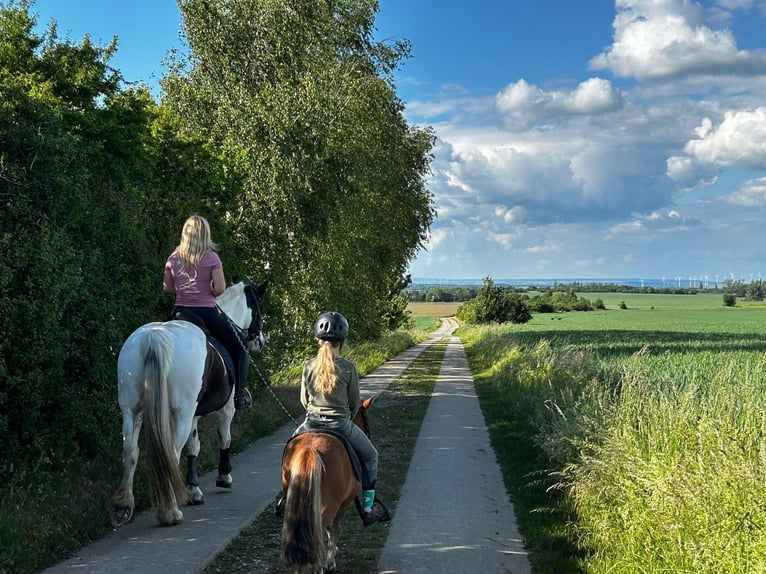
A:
(195, 497)
(120, 516)
(223, 481)
(170, 517)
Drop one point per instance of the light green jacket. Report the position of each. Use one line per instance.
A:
(342, 401)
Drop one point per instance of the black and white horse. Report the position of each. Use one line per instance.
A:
(168, 375)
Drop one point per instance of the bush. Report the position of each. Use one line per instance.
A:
(494, 305)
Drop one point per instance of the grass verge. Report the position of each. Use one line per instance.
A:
(396, 419)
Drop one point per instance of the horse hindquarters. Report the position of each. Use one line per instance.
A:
(303, 542)
(168, 488)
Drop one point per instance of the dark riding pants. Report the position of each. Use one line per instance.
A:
(218, 325)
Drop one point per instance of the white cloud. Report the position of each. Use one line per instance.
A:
(656, 222)
(522, 104)
(659, 39)
(539, 249)
(735, 4)
(739, 140)
(752, 193)
(609, 178)
(504, 239)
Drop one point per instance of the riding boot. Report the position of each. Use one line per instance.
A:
(242, 399)
(373, 510)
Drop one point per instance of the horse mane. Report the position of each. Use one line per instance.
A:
(231, 293)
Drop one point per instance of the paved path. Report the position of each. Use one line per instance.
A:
(142, 546)
(454, 515)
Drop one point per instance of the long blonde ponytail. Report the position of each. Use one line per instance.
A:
(324, 366)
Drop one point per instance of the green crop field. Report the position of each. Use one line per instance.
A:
(659, 323)
(643, 432)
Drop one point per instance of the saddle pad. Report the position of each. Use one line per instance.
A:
(217, 380)
(356, 464)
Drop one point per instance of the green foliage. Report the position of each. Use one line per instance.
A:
(754, 291)
(332, 206)
(437, 294)
(286, 135)
(562, 301)
(646, 435)
(494, 305)
(87, 212)
(729, 300)
(598, 304)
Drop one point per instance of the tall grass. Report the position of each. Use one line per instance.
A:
(676, 480)
(650, 460)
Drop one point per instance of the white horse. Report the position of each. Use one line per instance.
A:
(168, 375)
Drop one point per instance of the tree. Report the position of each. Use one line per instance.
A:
(94, 185)
(299, 102)
(494, 305)
(754, 291)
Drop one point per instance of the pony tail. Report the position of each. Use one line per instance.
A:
(166, 480)
(303, 541)
(324, 367)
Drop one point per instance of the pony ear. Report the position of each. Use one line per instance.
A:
(234, 279)
(368, 403)
(261, 289)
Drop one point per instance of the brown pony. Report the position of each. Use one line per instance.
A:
(319, 484)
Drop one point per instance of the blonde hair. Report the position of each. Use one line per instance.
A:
(323, 368)
(196, 242)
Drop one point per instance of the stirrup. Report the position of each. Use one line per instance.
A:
(243, 401)
(378, 513)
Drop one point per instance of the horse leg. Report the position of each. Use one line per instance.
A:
(123, 502)
(333, 534)
(169, 513)
(192, 477)
(224, 418)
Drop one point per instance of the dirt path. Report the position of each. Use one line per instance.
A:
(453, 515)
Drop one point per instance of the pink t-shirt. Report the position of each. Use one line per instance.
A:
(193, 285)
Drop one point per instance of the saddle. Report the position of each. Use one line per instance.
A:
(356, 464)
(218, 379)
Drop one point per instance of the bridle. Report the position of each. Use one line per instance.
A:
(253, 330)
(256, 320)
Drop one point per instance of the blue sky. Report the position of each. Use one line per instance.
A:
(576, 138)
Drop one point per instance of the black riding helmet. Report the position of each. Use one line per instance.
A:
(331, 326)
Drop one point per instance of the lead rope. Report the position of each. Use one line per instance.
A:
(265, 381)
(268, 386)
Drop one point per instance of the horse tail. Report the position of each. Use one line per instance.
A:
(303, 541)
(167, 484)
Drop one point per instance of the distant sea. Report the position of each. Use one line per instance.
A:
(667, 282)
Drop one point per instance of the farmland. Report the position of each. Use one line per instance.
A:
(631, 439)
